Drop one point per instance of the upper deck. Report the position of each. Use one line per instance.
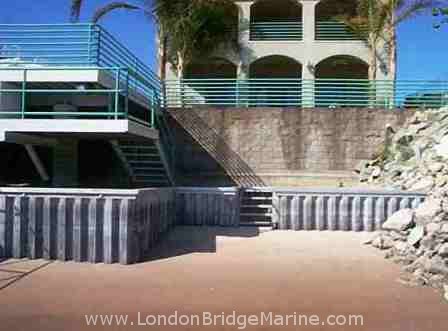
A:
(73, 71)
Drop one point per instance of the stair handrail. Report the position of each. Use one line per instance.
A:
(166, 136)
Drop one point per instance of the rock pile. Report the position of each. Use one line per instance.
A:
(415, 158)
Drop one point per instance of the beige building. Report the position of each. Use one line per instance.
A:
(290, 39)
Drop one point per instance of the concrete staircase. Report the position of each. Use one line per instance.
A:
(145, 163)
(256, 207)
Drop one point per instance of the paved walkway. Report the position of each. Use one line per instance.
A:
(218, 270)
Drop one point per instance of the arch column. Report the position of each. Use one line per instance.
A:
(308, 84)
(244, 20)
(243, 36)
(309, 32)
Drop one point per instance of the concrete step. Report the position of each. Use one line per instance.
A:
(267, 206)
(256, 198)
(256, 214)
(258, 190)
(267, 225)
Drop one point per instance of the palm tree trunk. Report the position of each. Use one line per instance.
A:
(180, 75)
(180, 65)
(162, 55)
(372, 59)
(372, 72)
(393, 54)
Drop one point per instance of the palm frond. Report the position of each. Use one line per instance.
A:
(102, 11)
(75, 10)
(414, 8)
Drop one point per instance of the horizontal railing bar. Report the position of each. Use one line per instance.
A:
(48, 43)
(310, 80)
(53, 113)
(56, 56)
(60, 68)
(50, 24)
(60, 91)
(47, 31)
(71, 49)
(44, 37)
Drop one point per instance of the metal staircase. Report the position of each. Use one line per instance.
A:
(256, 207)
(150, 163)
(145, 162)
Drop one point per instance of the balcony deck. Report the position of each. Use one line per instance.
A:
(82, 61)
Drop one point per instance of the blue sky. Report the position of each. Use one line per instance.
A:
(423, 52)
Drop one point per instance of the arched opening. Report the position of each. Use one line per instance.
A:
(330, 16)
(211, 68)
(210, 81)
(223, 18)
(275, 81)
(342, 81)
(276, 20)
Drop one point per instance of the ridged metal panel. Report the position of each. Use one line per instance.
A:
(208, 206)
(339, 210)
(83, 225)
(155, 214)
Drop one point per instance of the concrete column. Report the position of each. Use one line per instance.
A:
(245, 52)
(244, 20)
(308, 84)
(241, 85)
(65, 163)
(244, 36)
(309, 19)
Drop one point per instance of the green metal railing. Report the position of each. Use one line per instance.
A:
(276, 31)
(330, 93)
(74, 45)
(333, 30)
(21, 97)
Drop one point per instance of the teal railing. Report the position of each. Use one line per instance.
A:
(333, 30)
(276, 31)
(306, 93)
(22, 98)
(72, 46)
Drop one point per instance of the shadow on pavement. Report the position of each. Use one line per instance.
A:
(15, 275)
(195, 239)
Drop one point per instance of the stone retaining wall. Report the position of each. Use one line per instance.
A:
(277, 146)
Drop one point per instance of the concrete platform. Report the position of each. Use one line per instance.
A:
(14, 130)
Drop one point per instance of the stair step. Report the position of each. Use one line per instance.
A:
(140, 154)
(257, 198)
(149, 176)
(257, 190)
(149, 168)
(145, 162)
(257, 223)
(256, 206)
(154, 180)
(255, 214)
(138, 146)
